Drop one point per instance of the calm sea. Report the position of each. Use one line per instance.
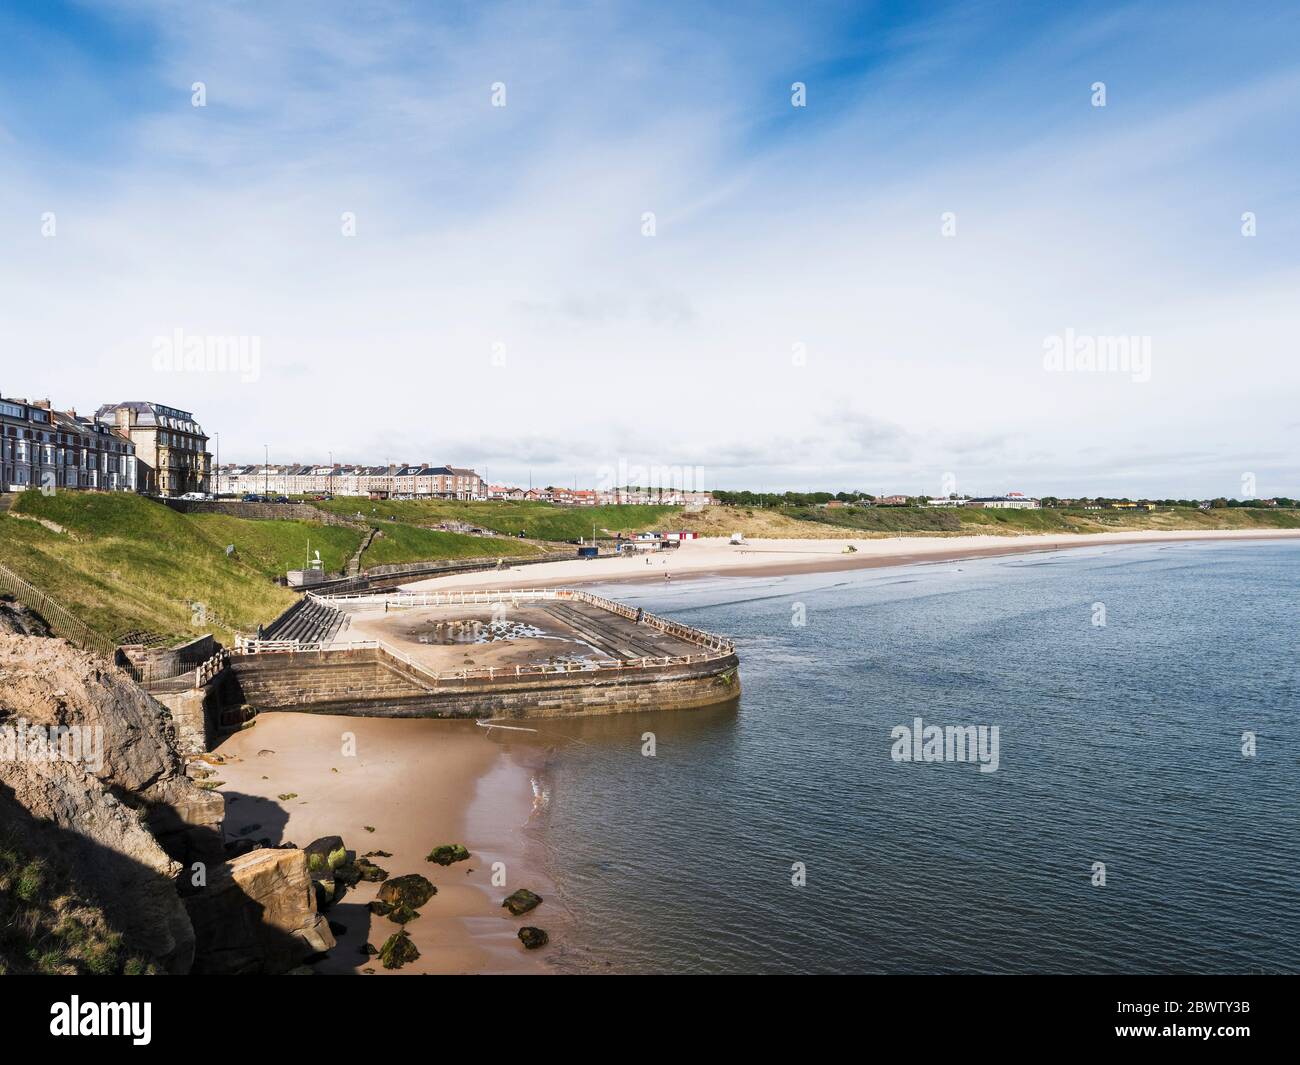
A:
(1119, 744)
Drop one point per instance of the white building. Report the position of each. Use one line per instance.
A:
(1010, 501)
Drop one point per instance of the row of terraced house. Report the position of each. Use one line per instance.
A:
(134, 446)
(394, 481)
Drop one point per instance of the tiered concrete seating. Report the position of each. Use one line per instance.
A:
(308, 621)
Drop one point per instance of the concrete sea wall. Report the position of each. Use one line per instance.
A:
(367, 682)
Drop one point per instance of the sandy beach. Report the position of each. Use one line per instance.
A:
(715, 557)
(418, 784)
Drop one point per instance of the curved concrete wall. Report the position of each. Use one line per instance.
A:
(368, 683)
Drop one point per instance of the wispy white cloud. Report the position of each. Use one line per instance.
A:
(797, 318)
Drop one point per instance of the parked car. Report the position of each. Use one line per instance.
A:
(194, 495)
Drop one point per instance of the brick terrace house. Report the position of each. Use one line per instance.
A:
(44, 448)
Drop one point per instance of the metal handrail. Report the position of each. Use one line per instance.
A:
(411, 600)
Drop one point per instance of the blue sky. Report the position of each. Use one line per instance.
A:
(798, 319)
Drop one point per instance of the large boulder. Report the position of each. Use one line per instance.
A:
(257, 914)
(398, 950)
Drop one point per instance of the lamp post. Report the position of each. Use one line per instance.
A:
(266, 470)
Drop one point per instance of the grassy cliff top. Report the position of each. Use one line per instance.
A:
(863, 522)
(537, 521)
(124, 563)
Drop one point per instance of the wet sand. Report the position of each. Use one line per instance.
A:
(715, 557)
(417, 783)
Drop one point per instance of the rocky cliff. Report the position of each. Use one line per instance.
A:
(95, 802)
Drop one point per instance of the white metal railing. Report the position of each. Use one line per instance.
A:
(413, 600)
(715, 647)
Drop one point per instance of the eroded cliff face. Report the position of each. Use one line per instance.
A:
(94, 799)
(127, 739)
(90, 781)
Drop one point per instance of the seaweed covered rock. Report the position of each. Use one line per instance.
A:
(521, 902)
(370, 872)
(332, 869)
(448, 853)
(402, 913)
(398, 950)
(326, 891)
(532, 938)
(411, 889)
(325, 855)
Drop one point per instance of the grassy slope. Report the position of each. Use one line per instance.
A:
(409, 543)
(1089, 521)
(276, 546)
(129, 563)
(540, 521)
(851, 522)
(49, 926)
